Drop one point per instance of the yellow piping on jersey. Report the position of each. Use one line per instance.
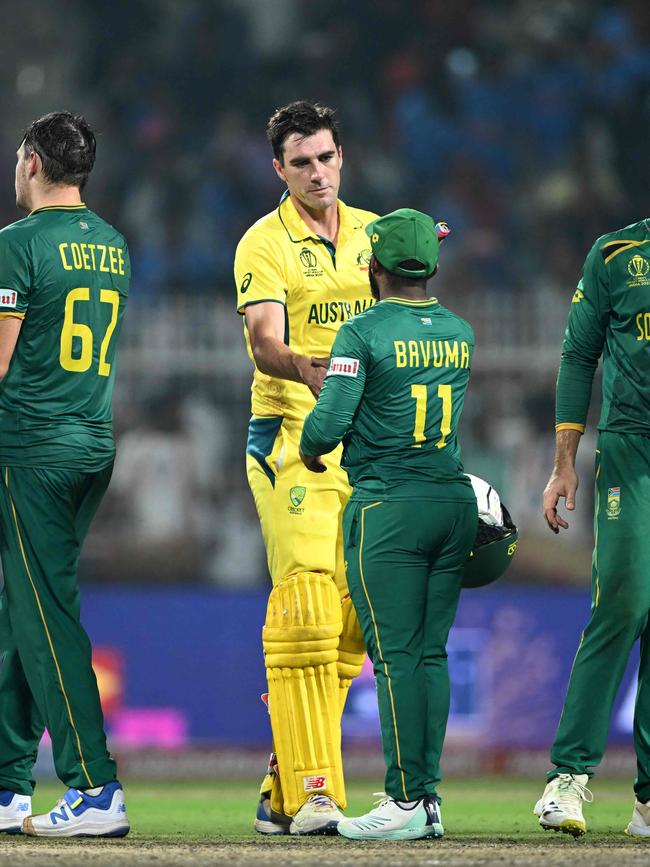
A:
(411, 303)
(47, 631)
(381, 655)
(5, 314)
(629, 245)
(569, 425)
(58, 208)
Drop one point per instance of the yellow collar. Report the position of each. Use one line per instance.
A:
(58, 208)
(412, 303)
(297, 229)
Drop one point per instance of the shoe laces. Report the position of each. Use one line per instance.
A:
(322, 801)
(569, 788)
(382, 798)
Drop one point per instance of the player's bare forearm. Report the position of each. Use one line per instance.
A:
(274, 358)
(265, 323)
(564, 479)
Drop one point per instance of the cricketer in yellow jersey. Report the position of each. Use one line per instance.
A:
(301, 271)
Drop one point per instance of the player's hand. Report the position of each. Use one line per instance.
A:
(563, 483)
(312, 371)
(315, 463)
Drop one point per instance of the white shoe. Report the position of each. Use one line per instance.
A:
(396, 820)
(560, 807)
(13, 809)
(79, 814)
(640, 824)
(320, 814)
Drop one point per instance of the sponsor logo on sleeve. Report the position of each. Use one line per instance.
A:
(8, 298)
(343, 367)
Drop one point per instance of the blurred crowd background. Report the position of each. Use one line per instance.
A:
(525, 124)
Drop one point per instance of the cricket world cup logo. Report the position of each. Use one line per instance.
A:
(308, 258)
(638, 266)
(309, 263)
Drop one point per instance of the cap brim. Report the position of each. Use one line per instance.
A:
(370, 228)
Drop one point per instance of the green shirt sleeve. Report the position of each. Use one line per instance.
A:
(331, 418)
(15, 275)
(583, 342)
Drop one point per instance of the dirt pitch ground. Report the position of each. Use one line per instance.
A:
(454, 853)
(488, 821)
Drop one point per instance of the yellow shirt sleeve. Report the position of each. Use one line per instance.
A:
(259, 271)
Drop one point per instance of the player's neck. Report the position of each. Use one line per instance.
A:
(48, 197)
(323, 222)
(414, 293)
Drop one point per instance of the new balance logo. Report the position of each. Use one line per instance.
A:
(62, 815)
(314, 784)
(23, 808)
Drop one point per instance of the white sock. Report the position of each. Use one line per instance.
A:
(93, 792)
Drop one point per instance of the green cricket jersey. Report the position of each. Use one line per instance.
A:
(610, 315)
(66, 273)
(393, 394)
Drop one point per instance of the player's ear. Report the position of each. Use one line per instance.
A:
(340, 153)
(279, 170)
(34, 164)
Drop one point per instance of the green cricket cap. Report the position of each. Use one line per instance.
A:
(402, 235)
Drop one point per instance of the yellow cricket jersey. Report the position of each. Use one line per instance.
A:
(280, 259)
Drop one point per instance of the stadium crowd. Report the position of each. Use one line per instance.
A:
(523, 124)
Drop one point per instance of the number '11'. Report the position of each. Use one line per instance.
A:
(419, 393)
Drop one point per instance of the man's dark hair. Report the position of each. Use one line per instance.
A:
(66, 145)
(302, 117)
(397, 282)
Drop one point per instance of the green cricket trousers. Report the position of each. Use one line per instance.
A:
(404, 561)
(47, 678)
(619, 613)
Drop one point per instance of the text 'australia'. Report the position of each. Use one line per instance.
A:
(337, 311)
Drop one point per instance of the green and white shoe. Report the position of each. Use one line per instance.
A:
(396, 820)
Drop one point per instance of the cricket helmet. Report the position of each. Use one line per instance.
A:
(496, 538)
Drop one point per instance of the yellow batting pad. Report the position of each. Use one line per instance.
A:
(352, 650)
(300, 638)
